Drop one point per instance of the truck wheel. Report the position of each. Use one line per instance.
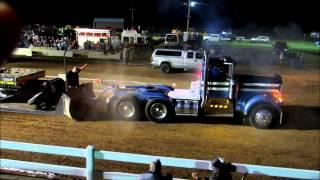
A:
(128, 108)
(165, 68)
(158, 110)
(262, 116)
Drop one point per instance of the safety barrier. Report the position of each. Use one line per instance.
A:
(90, 154)
(22, 52)
(57, 53)
(101, 55)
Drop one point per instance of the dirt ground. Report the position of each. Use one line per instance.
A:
(295, 144)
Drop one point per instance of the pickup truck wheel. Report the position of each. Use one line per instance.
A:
(165, 68)
(262, 116)
(127, 108)
(158, 110)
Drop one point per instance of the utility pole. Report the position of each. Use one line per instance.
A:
(132, 13)
(188, 16)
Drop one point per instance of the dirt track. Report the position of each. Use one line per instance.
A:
(294, 144)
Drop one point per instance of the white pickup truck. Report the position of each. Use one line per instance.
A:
(211, 37)
(168, 59)
(216, 38)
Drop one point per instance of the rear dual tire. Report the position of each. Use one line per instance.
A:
(127, 108)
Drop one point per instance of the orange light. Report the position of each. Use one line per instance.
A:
(277, 96)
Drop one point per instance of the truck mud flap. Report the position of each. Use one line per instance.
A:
(62, 108)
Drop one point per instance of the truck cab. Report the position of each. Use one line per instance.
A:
(256, 100)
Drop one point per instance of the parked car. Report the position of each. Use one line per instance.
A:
(225, 38)
(265, 39)
(168, 59)
(240, 38)
(211, 37)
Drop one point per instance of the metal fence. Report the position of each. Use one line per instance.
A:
(90, 154)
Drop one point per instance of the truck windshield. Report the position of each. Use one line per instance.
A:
(218, 72)
(171, 38)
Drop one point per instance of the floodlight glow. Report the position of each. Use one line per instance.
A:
(192, 4)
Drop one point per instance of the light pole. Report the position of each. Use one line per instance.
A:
(132, 9)
(189, 5)
(65, 64)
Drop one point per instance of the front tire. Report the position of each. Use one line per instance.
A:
(165, 68)
(158, 110)
(262, 116)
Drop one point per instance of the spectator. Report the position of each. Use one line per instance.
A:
(126, 54)
(194, 176)
(154, 172)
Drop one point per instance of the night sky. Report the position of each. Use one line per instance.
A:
(162, 14)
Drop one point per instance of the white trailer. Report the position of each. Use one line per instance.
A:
(95, 35)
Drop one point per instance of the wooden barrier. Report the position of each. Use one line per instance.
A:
(90, 154)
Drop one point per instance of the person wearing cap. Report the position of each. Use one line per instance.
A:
(73, 76)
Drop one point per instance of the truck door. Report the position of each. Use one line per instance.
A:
(219, 90)
(219, 82)
(189, 60)
(198, 60)
(192, 60)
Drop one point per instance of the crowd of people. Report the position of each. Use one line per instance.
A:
(44, 36)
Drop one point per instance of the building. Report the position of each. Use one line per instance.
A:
(93, 35)
(108, 23)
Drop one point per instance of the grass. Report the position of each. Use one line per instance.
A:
(304, 46)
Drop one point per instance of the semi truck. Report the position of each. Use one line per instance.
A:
(255, 100)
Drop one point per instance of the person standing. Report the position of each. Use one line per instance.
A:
(126, 54)
(73, 76)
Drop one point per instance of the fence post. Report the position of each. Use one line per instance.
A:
(89, 162)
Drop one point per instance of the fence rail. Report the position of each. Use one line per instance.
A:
(90, 154)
